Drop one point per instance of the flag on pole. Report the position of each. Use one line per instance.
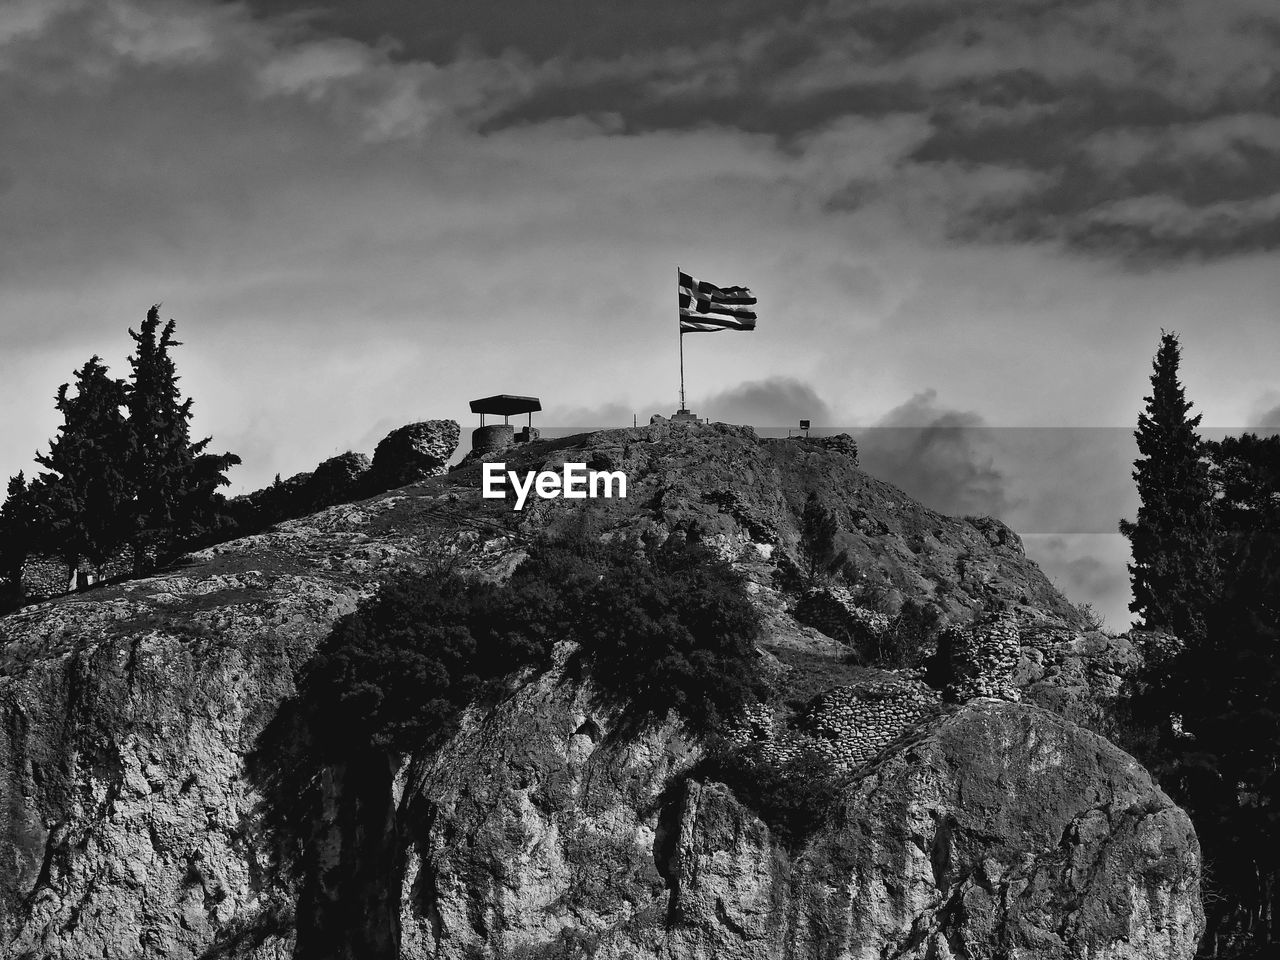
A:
(706, 308)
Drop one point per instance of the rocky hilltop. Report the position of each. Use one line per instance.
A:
(967, 824)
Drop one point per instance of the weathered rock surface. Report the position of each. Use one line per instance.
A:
(1001, 831)
(416, 451)
(130, 826)
(1004, 832)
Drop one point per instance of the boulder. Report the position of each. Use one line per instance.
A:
(337, 480)
(1004, 832)
(996, 831)
(414, 452)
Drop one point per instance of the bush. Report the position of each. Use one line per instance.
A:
(911, 637)
(394, 674)
(673, 629)
(666, 628)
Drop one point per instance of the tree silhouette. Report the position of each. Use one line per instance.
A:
(82, 504)
(1174, 570)
(17, 518)
(1202, 715)
(176, 480)
(818, 531)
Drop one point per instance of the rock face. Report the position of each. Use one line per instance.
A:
(336, 479)
(416, 451)
(133, 825)
(1004, 832)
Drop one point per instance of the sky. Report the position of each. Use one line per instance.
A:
(966, 221)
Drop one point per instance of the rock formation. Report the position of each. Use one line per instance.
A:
(1003, 832)
(132, 825)
(414, 452)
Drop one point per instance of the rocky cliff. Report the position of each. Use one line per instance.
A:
(133, 825)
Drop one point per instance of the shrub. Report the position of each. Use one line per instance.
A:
(673, 629)
(662, 628)
(911, 636)
(819, 530)
(395, 673)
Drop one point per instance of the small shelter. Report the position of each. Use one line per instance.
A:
(499, 436)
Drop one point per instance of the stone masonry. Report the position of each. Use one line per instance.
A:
(849, 725)
(979, 660)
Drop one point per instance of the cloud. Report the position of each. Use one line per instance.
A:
(1266, 414)
(1087, 568)
(775, 402)
(366, 225)
(939, 456)
(595, 416)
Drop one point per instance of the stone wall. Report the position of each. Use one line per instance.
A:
(847, 726)
(44, 576)
(979, 660)
(841, 443)
(833, 611)
(850, 725)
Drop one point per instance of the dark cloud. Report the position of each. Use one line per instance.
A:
(1266, 420)
(1087, 575)
(769, 405)
(939, 456)
(776, 402)
(1144, 137)
(440, 30)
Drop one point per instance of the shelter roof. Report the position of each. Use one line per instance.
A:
(505, 405)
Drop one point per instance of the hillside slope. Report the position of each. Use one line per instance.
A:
(130, 826)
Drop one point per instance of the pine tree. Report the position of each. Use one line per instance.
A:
(82, 505)
(818, 531)
(1206, 717)
(16, 533)
(176, 480)
(1174, 570)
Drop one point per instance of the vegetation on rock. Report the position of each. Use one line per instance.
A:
(122, 472)
(1174, 572)
(1203, 714)
(173, 480)
(819, 529)
(663, 628)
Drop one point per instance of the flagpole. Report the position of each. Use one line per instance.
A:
(680, 329)
(681, 369)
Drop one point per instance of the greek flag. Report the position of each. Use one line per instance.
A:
(706, 308)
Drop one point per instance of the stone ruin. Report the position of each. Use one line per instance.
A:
(45, 575)
(849, 725)
(833, 611)
(979, 659)
(846, 726)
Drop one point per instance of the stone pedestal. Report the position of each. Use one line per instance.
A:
(492, 438)
(685, 416)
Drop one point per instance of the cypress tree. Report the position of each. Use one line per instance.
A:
(818, 531)
(16, 533)
(176, 480)
(1174, 570)
(82, 505)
